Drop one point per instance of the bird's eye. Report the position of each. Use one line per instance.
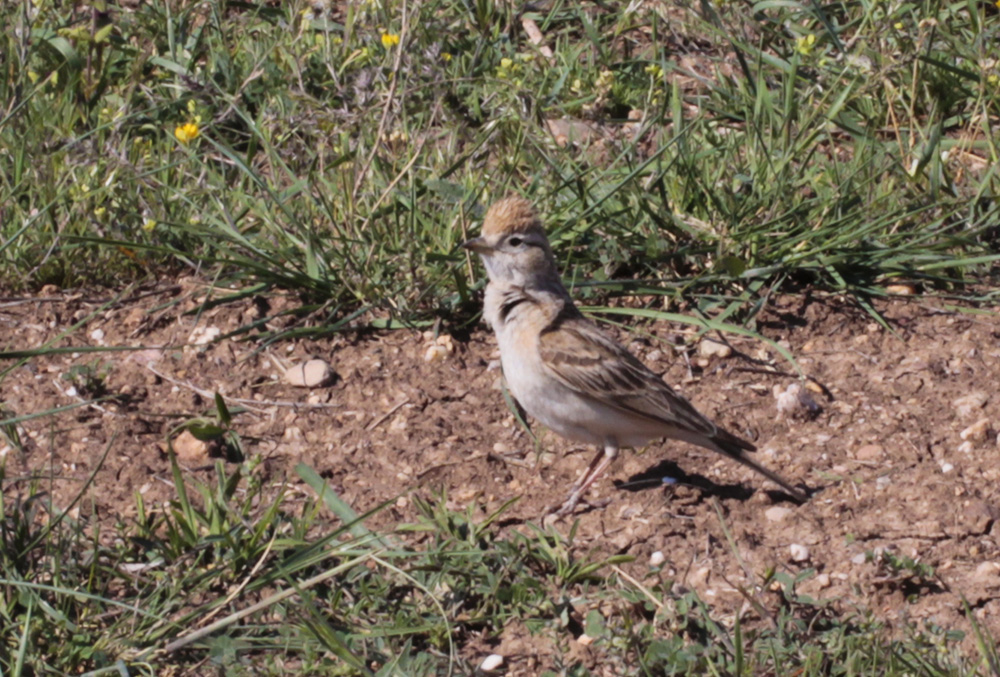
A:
(515, 242)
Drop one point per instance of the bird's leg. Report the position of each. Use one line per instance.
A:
(600, 463)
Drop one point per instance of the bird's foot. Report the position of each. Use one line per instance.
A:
(553, 513)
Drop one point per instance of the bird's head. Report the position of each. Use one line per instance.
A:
(513, 245)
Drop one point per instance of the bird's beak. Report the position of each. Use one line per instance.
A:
(478, 245)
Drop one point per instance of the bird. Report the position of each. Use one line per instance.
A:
(565, 372)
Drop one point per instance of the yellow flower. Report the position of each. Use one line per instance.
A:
(654, 70)
(148, 225)
(187, 132)
(804, 44)
(993, 79)
(390, 40)
(507, 68)
(446, 57)
(898, 25)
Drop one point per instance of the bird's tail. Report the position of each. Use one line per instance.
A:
(739, 450)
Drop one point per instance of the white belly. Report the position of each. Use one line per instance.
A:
(568, 413)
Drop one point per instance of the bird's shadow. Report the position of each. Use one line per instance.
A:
(654, 476)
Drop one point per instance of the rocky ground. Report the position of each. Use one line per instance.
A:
(896, 432)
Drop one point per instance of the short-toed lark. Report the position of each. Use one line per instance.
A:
(564, 371)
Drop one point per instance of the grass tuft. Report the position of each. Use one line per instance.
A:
(344, 151)
(219, 577)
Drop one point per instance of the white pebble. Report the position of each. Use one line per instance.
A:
(977, 432)
(799, 553)
(435, 353)
(447, 341)
(988, 571)
(491, 662)
(97, 335)
(947, 467)
(309, 374)
(203, 335)
(711, 348)
(794, 400)
(777, 513)
(657, 558)
(860, 558)
(967, 405)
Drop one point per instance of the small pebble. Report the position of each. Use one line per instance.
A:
(794, 401)
(699, 578)
(869, 452)
(310, 374)
(712, 348)
(447, 341)
(860, 558)
(977, 432)
(203, 335)
(585, 639)
(435, 353)
(190, 449)
(97, 335)
(967, 405)
(777, 513)
(799, 553)
(491, 662)
(988, 571)
(657, 559)
(947, 467)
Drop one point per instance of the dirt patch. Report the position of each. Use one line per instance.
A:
(895, 477)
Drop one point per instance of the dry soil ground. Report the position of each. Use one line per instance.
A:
(885, 452)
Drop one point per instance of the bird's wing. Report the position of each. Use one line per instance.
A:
(583, 359)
